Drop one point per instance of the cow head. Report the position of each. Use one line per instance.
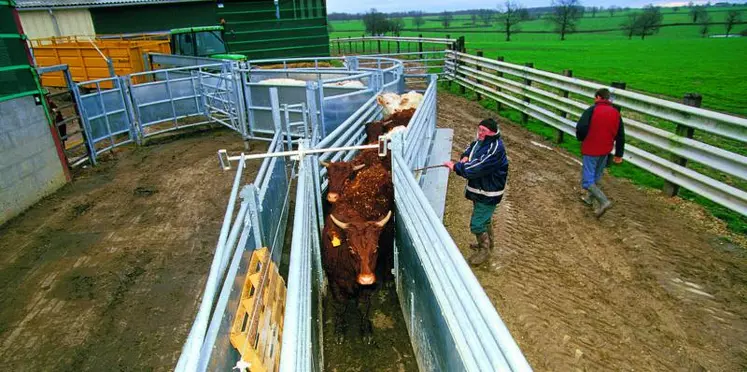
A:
(338, 173)
(363, 243)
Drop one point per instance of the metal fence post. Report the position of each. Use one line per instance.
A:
(339, 51)
(378, 43)
(420, 46)
(398, 47)
(350, 45)
(498, 104)
(528, 82)
(559, 134)
(617, 85)
(694, 100)
(478, 68)
(363, 44)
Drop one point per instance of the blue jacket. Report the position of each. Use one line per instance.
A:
(486, 170)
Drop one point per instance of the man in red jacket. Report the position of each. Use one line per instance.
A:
(599, 128)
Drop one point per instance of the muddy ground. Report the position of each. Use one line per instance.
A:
(654, 285)
(106, 273)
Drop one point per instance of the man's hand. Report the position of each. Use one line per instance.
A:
(464, 160)
(450, 165)
(617, 160)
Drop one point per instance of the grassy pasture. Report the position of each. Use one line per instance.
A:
(675, 61)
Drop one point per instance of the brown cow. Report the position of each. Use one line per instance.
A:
(338, 174)
(356, 234)
(349, 257)
(381, 127)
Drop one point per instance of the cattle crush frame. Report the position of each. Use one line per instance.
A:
(451, 323)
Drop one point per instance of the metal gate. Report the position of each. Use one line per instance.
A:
(65, 116)
(222, 97)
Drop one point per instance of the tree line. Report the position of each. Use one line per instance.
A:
(564, 15)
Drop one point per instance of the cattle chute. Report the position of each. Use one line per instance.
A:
(451, 322)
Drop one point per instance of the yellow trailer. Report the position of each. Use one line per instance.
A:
(87, 57)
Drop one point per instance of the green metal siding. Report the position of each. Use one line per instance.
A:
(153, 18)
(253, 29)
(17, 77)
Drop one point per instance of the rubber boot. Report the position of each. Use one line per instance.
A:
(490, 236)
(604, 203)
(588, 199)
(475, 246)
(483, 250)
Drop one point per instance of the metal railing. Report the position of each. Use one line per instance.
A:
(548, 100)
(260, 222)
(422, 128)
(437, 287)
(302, 348)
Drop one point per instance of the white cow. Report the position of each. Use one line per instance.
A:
(393, 102)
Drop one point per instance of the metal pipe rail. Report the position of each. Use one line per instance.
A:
(710, 121)
(714, 157)
(431, 40)
(719, 192)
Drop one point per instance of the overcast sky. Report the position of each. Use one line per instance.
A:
(360, 6)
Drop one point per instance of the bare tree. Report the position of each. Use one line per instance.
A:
(565, 16)
(418, 20)
(486, 15)
(705, 23)
(446, 19)
(594, 11)
(510, 16)
(649, 22)
(630, 24)
(612, 10)
(473, 17)
(732, 18)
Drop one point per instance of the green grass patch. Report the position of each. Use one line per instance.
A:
(671, 63)
(640, 177)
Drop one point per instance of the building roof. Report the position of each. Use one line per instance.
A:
(62, 4)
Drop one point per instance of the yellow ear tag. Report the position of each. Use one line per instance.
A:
(336, 241)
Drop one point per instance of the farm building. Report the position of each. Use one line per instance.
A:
(256, 28)
(32, 165)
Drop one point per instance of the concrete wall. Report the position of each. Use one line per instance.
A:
(29, 165)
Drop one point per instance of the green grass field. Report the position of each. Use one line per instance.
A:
(671, 63)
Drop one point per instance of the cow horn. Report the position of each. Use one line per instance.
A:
(358, 167)
(324, 163)
(339, 223)
(385, 220)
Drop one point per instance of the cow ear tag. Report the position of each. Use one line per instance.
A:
(336, 241)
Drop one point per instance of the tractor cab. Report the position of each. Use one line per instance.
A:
(204, 41)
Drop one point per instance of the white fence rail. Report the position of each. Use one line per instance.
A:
(544, 96)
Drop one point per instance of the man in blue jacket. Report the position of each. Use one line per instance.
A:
(485, 166)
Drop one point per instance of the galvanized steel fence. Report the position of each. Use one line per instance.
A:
(453, 326)
(547, 97)
(260, 222)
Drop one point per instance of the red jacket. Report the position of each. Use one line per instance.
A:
(599, 128)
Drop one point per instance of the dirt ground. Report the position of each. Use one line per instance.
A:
(106, 273)
(653, 285)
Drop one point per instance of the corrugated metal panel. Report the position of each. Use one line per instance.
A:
(31, 4)
(153, 18)
(41, 24)
(254, 29)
